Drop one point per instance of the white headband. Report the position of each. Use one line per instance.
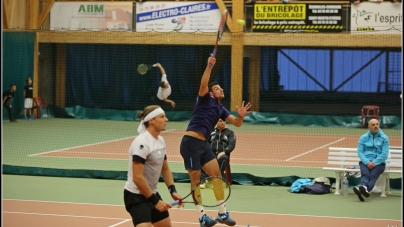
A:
(142, 128)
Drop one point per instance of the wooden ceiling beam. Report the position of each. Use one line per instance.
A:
(222, 8)
(45, 12)
(5, 15)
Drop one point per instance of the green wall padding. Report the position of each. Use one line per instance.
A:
(347, 121)
(18, 64)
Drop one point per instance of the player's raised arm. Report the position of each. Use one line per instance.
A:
(242, 111)
(160, 67)
(203, 89)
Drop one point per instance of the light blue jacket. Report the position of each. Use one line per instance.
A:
(373, 148)
(299, 183)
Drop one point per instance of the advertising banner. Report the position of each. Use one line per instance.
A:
(177, 16)
(368, 17)
(297, 18)
(93, 16)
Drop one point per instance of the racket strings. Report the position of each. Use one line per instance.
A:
(218, 188)
(142, 69)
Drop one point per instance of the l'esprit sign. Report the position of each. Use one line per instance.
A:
(381, 18)
(297, 18)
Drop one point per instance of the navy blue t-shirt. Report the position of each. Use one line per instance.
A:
(29, 90)
(206, 113)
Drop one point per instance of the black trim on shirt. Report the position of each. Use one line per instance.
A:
(137, 158)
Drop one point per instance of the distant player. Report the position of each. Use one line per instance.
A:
(165, 88)
(8, 101)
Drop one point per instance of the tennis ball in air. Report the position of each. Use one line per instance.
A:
(241, 22)
(168, 40)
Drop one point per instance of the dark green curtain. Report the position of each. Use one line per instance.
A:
(18, 64)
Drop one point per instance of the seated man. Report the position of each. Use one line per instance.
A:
(223, 142)
(373, 150)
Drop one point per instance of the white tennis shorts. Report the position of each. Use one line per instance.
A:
(28, 103)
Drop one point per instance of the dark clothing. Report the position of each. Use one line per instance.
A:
(196, 153)
(207, 112)
(9, 95)
(141, 209)
(10, 115)
(29, 91)
(370, 176)
(224, 140)
(7, 104)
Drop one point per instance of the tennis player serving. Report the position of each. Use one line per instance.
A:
(195, 149)
(165, 88)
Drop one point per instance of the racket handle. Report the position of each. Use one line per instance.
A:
(214, 55)
(174, 202)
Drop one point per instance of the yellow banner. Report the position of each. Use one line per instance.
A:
(279, 11)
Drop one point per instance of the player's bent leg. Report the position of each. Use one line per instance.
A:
(163, 223)
(145, 224)
(212, 168)
(195, 177)
(204, 220)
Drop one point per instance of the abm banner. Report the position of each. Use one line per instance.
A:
(93, 16)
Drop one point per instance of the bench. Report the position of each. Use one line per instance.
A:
(344, 157)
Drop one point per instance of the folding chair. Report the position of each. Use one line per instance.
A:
(40, 103)
(369, 112)
(228, 172)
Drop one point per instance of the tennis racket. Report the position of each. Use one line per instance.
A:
(220, 30)
(210, 192)
(143, 68)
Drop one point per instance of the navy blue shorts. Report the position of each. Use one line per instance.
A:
(141, 209)
(196, 153)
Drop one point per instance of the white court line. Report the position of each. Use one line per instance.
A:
(262, 165)
(241, 212)
(92, 144)
(116, 159)
(318, 148)
(252, 159)
(120, 223)
(62, 215)
(95, 217)
(100, 153)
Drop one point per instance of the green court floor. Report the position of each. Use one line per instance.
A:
(257, 199)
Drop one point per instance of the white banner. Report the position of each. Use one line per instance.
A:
(92, 16)
(177, 16)
(369, 17)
